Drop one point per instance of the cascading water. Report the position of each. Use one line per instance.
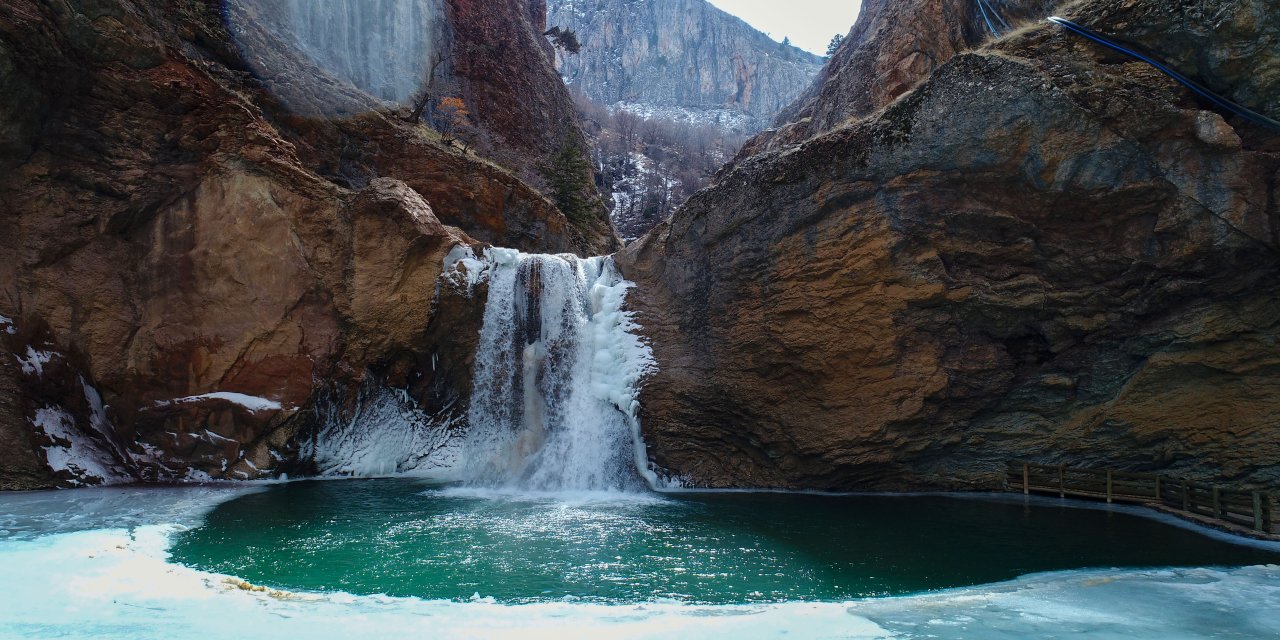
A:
(557, 368)
(553, 403)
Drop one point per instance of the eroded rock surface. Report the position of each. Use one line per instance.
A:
(893, 47)
(1045, 251)
(190, 255)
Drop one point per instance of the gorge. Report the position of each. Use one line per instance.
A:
(322, 302)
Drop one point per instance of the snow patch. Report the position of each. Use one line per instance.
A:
(196, 475)
(252, 403)
(6, 323)
(727, 119)
(34, 363)
(74, 452)
(463, 269)
(100, 423)
(386, 434)
(640, 180)
(214, 438)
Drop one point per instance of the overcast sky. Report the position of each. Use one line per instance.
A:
(809, 23)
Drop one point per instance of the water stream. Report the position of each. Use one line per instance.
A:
(557, 368)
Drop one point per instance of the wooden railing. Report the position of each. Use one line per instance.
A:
(1254, 510)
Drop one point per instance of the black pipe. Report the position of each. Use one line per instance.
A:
(1247, 114)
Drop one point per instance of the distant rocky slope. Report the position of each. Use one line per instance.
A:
(682, 59)
(208, 234)
(1045, 250)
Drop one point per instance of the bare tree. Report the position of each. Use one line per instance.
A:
(423, 98)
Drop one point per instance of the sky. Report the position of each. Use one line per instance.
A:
(809, 23)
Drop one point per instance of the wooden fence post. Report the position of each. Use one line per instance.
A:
(1158, 498)
(1186, 497)
(1026, 478)
(1217, 503)
(1257, 511)
(1269, 515)
(1062, 493)
(1108, 486)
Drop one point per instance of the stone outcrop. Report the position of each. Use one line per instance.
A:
(1043, 251)
(664, 55)
(481, 53)
(191, 252)
(893, 46)
(504, 66)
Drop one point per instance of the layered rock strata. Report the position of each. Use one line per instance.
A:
(192, 254)
(1043, 251)
(892, 47)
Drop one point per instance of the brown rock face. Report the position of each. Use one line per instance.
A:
(188, 260)
(520, 114)
(1044, 251)
(892, 47)
(23, 467)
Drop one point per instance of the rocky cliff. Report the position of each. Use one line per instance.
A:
(1044, 250)
(208, 228)
(892, 47)
(680, 56)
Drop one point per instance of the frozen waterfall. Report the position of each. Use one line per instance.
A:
(553, 404)
(556, 377)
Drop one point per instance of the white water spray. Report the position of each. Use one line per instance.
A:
(557, 373)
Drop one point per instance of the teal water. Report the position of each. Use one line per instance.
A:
(405, 538)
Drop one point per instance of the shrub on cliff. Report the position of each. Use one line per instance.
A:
(834, 45)
(453, 122)
(566, 39)
(568, 176)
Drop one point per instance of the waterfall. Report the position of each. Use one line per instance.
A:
(384, 47)
(557, 371)
(554, 391)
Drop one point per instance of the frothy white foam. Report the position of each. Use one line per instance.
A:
(513, 494)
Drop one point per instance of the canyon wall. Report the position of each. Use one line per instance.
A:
(684, 59)
(892, 47)
(207, 230)
(1044, 251)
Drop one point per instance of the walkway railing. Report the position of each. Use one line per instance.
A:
(1237, 508)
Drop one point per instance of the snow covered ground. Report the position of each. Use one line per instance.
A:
(93, 564)
(727, 119)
